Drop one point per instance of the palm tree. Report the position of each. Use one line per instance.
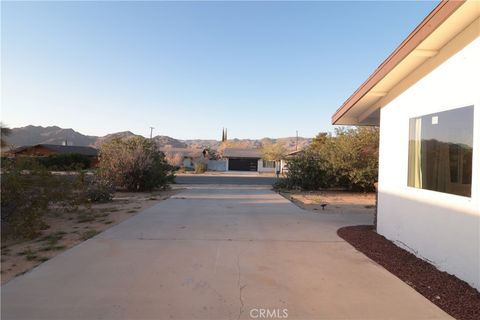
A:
(5, 131)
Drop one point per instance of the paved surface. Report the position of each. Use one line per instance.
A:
(226, 179)
(216, 253)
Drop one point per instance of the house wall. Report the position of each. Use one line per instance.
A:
(441, 228)
(262, 169)
(217, 165)
(187, 162)
(284, 166)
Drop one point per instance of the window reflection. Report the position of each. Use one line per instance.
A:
(440, 151)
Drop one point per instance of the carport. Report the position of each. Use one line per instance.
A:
(243, 164)
(242, 159)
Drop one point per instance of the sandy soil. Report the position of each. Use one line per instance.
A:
(66, 229)
(332, 201)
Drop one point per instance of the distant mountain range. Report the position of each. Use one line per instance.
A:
(31, 135)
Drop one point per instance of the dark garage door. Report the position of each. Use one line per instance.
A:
(247, 164)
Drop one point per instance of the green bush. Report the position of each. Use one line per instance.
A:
(352, 156)
(349, 160)
(134, 164)
(306, 172)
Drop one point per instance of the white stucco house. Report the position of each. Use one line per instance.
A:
(426, 97)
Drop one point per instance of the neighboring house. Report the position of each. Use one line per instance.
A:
(425, 97)
(248, 160)
(43, 150)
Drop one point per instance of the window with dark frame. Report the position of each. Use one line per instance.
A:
(440, 151)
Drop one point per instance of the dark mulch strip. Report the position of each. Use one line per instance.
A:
(451, 294)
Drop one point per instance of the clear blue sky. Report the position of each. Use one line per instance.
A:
(189, 69)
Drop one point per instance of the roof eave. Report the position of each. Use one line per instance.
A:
(420, 33)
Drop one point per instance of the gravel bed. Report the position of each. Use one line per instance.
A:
(451, 294)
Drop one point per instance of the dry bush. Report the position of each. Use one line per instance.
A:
(174, 158)
(27, 194)
(135, 164)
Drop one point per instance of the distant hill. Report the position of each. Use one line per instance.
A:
(289, 143)
(31, 135)
(111, 136)
(166, 141)
(201, 144)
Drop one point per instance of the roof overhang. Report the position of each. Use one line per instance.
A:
(447, 20)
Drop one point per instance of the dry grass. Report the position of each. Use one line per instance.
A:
(67, 229)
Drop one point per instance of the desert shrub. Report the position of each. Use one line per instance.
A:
(348, 159)
(307, 171)
(98, 189)
(135, 164)
(28, 194)
(174, 158)
(22, 204)
(352, 157)
(71, 161)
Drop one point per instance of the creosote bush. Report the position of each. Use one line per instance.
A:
(29, 191)
(98, 189)
(308, 172)
(348, 159)
(27, 194)
(134, 164)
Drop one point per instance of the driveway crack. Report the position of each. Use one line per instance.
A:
(240, 288)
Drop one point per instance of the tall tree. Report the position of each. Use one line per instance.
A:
(273, 151)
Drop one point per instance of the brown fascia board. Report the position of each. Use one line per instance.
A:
(421, 32)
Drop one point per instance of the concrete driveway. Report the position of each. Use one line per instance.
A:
(216, 252)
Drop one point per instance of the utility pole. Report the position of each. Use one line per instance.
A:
(151, 131)
(296, 143)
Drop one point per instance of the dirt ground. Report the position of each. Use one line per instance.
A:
(332, 201)
(67, 229)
